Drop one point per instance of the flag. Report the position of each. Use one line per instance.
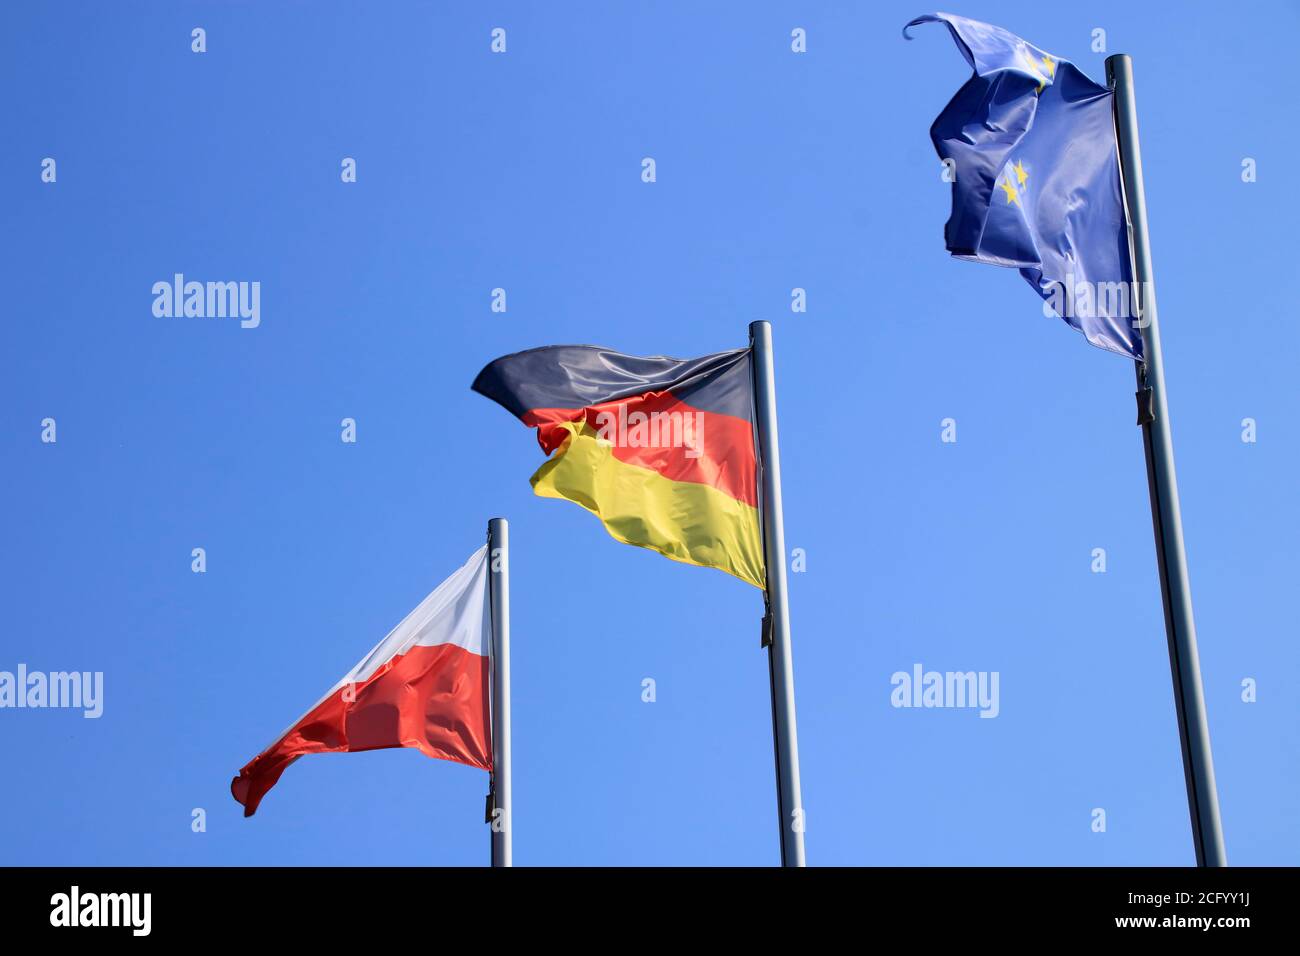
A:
(424, 686)
(660, 449)
(1030, 142)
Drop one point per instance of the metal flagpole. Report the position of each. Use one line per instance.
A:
(1153, 415)
(776, 622)
(500, 807)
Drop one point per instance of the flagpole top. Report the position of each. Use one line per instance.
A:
(1118, 65)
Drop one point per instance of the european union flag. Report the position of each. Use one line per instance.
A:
(1031, 141)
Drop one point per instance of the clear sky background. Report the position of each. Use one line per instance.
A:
(523, 171)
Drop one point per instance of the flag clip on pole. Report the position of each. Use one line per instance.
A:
(1153, 416)
(1146, 411)
(500, 808)
(777, 620)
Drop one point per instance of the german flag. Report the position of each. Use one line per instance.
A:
(662, 450)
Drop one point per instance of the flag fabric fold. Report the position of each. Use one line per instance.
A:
(424, 686)
(660, 449)
(1030, 141)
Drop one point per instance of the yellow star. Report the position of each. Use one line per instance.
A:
(1021, 174)
(1031, 66)
(1013, 196)
(1051, 71)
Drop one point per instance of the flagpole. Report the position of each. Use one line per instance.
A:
(1153, 413)
(776, 622)
(500, 808)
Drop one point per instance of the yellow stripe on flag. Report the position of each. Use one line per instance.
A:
(682, 520)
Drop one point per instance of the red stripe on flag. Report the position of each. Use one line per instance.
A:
(434, 698)
(714, 449)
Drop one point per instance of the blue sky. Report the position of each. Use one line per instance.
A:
(523, 171)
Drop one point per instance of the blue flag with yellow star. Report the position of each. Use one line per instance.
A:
(1029, 143)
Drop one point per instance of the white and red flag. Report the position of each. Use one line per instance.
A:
(425, 686)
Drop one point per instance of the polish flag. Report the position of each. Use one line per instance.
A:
(425, 686)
